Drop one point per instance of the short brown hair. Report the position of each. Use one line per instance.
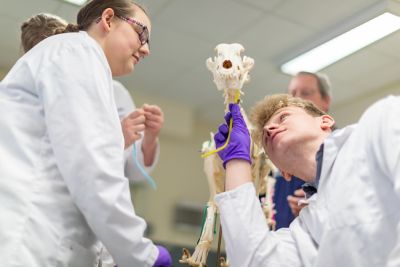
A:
(40, 27)
(262, 112)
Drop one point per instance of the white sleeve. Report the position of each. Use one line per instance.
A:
(123, 100)
(85, 132)
(384, 135)
(247, 238)
(126, 105)
(385, 142)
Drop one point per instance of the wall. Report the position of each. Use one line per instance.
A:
(2, 74)
(350, 111)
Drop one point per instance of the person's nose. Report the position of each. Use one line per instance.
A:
(270, 129)
(144, 50)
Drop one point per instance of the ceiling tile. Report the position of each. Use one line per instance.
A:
(372, 80)
(264, 5)
(357, 66)
(168, 61)
(271, 37)
(154, 7)
(387, 75)
(319, 15)
(343, 92)
(265, 79)
(208, 19)
(389, 46)
(68, 12)
(22, 9)
(196, 87)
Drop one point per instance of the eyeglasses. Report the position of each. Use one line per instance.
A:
(143, 34)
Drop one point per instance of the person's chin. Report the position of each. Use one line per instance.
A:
(282, 147)
(131, 68)
(132, 64)
(123, 71)
(278, 141)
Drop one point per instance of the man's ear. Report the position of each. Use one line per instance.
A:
(106, 17)
(286, 175)
(327, 122)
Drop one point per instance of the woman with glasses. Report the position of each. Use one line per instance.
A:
(62, 184)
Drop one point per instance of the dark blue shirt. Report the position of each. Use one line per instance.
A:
(283, 189)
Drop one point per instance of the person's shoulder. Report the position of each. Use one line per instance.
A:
(387, 102)
(381, 109)
(345, 132)
(118, 86)
(70, 48)
(120, 90)
(57, 41)
(66, 43)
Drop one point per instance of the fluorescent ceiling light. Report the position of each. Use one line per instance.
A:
(343, 45)
(76, 2)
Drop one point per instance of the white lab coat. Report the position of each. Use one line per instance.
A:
(355, 218)
(62, 183)
(125, 106)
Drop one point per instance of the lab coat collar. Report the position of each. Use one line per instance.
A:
(328, 151)
(312, 188)
(332, 145)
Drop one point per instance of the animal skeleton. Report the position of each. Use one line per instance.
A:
(230, 72)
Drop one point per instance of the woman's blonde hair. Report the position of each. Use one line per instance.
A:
(262, 112)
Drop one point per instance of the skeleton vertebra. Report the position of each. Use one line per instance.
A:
(230, 72)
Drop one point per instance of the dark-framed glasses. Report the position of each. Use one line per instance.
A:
(143, 33)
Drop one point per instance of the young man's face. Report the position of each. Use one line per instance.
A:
(288, 134)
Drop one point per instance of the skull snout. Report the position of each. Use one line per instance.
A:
(227, 64)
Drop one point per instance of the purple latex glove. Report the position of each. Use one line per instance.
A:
(164, 258)
(239, 143)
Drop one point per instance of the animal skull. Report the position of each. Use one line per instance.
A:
(230, 71)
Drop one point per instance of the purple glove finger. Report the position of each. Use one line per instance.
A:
(221, 136)
(236, 114)
(228, 117)
(234, 108)
(223, 129)
(164, 258)
(219, 139)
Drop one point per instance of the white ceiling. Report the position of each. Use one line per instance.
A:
(185, 33)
